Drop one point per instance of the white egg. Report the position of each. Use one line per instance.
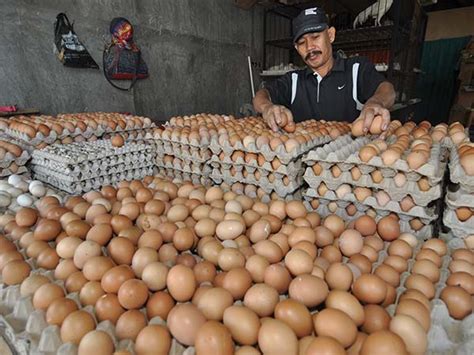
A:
(38, 190)
(4, 185)
(24, 200)
(14, 179)
(14, 192)
(22, 185)
(5, 199)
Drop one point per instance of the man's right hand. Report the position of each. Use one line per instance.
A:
(276, 116)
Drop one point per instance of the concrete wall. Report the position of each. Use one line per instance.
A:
(196, 51)
(450, 23)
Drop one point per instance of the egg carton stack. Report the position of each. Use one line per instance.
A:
(13, 156)
(272, 165)
(42, 130)
(81, 167)
(459, 208)
(182, 157)
(374, 187)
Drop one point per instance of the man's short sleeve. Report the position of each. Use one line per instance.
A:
(280, 90)
(368, 80)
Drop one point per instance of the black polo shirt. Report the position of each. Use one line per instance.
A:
(334, 97)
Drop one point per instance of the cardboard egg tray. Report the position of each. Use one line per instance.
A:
(344, 152)
(426, 214)
(185, 166)
(185, 152)
(291, 169)
(459, 198)
(7, 171)
(459, 229)
(224, 175)
(182, 176)
(426, 232)
(269, 154)
(457, 173)
(421, 198)
(171, 136)
(75, 187)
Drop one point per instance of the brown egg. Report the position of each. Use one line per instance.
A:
(121, 250)
(369, 288)
(331, 254)
(243, 324)
(64, 269)
(388, 274)
(59, 309)
(418, 296)
(411, 332)
(339, 277)
(184, 322)
(46, 294)
(383, 342)
(457, 300)
(96, 342)
(460, 278)
(48, 259)
(47, 229)
(335, 224)
(32, 283)
(388, 228)
(308, 289)
(85, 251)
(429, 254)
(426, 268)
(374, 242)
(336, 324)
(108, 307)
(153, 336)
(75, 326)
(350, 242)
(415, 310)
(181, 283)
(114, 277)
(130, 324)
(15, 271)
(321, 345)
(361, 262)
(376, 319)
(159, 305)
(133, 294)
(262, 299)
(400, 248)
(295, 315)
(463, 254)
(422, 284)
(237, 281)
(276, 336)
(212, 338)
(365, 225)
(77, 228)
(295, 209)
(347, 303)
(26, 217)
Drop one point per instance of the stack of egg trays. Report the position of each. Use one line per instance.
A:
(101, 129)
(10, 159)
(459, 194)
(80, 167)
(291, 165)
(343, 152)
(28, 332)
(190, 156)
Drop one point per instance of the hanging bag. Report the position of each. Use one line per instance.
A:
(122, 59)
(69, 49)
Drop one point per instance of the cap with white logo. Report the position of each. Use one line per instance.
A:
(310, 20)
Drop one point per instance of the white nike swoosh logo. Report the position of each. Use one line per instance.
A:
(341, 87)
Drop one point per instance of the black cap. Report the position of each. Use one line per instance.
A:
(310, 20)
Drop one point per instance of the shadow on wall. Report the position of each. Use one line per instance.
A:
(196, 53)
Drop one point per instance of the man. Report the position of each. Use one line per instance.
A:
(330, 88)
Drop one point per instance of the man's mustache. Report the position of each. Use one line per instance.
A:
(312, 53)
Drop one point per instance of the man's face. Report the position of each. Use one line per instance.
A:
(315, 48)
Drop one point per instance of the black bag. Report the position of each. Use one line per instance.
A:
(122, 58)
(70, 51)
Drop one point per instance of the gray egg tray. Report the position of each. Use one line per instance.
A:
(459, 229)
(182, 176)
(75, 187)
(291, 169)
(457, 173)
(76, 153)
(9, 158)
(427, 215)
(344, 151)
(269, 154)
(224, 175)
(459, 198)
(185, 166)
(7, 172)
(396, 193)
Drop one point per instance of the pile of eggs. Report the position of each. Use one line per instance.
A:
(42, 130)
(222, 272)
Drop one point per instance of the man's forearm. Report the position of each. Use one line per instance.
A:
(384, 95)
(261, 100)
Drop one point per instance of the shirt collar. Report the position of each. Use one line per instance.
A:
(337, 66)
